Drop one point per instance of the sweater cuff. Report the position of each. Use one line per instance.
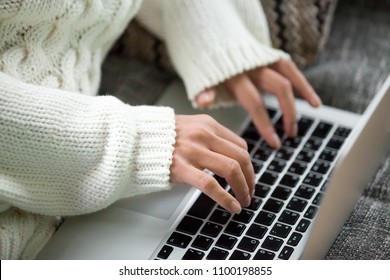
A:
(213, 68)
(153, 156)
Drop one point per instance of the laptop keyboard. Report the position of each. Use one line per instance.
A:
(288, 192)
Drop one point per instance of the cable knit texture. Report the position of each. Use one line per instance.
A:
(64, 150)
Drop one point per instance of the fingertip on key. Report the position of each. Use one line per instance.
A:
(235, 207)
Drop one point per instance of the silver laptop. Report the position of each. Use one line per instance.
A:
(304, 193)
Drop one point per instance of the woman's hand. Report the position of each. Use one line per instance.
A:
(202, 143)
(281, 79)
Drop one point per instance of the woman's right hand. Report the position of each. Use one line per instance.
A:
(203, 143)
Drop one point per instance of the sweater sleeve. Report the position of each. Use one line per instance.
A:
(211, 41)
(63, 153)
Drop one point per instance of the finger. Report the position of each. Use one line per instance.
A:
(272, 82)
(229, 169)
(240, 155)
(249, 98)
(209, 186)
(288, 69)
(205, 98)
(224, 132)
(196, 151)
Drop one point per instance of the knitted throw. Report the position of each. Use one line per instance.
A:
(299, 27)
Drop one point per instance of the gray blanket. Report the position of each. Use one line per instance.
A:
(353, 66)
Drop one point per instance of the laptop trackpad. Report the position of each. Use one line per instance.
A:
(157, 204)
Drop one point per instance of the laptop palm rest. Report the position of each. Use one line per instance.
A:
(159, 205)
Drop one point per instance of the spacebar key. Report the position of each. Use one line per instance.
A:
(202, 206)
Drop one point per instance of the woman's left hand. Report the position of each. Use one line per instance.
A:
(282, 79)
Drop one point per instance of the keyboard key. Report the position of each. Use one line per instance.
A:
(304, 125)
(261, 190)
(268, 178)
(262, 154)
(286, 252)
(297, 168)
(265, 218)
(202, 206)
(289, 180)
(256, 231)
(244, 217)
(226, 241)
(248, 244)
(328, 155)
(165, 252)
(281, 193)
(321, 167)
(211, 229)
(273, 205)
(335, 143)
(240, 255)
(313, 179)
(294, 239)
(305, 192)
(264, 255)
(272, 243)
(313, 143)
(235, 228)
(277, 166)
(303, 225)
(292, 142)
(255, 203)
(289, 217)
(217, 254)
(202, 242)
(179, 240)
(280, 230)
(342, 132)
(322, 130)
(305, 156)
(297, 204)
(193, 254)
(317, 199)
(220, 217)
(311, 212)
(284, 154)
(189, 225)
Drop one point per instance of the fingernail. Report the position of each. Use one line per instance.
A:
(235, 207)
(205, 98)
(277, 142)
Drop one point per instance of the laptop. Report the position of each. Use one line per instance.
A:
(305, 192)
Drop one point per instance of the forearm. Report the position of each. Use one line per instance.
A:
(63, 153)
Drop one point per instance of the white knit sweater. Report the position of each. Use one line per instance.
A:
(65, 151)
